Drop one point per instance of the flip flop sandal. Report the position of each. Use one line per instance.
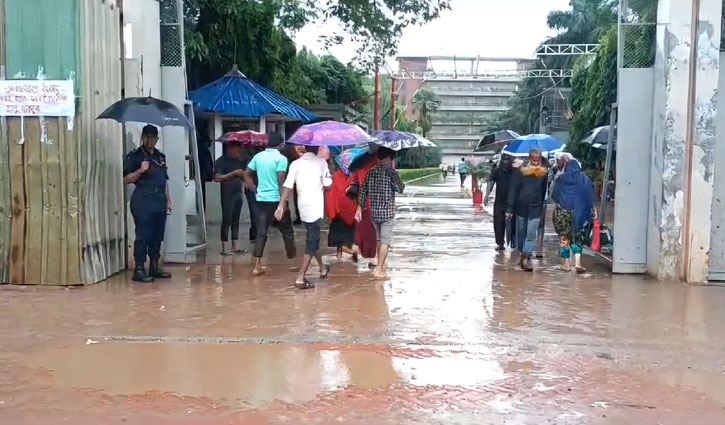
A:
(259, 272)
(241, 251)
(226, 253)
(306, 284)
(327, 272)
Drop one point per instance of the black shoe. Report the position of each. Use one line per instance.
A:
(156, 272)
(500, 248)
(139, 275)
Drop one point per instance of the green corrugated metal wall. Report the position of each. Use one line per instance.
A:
(53, 42)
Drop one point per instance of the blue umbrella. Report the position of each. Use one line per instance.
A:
(346, 158)
(547, 144)
(234, 94)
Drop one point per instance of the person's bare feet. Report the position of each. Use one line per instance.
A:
(258, 271)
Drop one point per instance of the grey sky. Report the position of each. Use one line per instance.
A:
(500, 28)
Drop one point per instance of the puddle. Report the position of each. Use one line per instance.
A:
(246, 375)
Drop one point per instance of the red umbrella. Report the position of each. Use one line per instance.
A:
(246, 138)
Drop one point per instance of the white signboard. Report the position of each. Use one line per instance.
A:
(37, 98)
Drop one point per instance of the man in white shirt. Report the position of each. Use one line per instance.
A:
(312, 177)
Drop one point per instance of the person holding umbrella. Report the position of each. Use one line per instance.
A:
(229, 170)
(146, 168)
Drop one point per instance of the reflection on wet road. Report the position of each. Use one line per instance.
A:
(456, 336)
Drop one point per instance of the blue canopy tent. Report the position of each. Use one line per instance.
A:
(238, 96)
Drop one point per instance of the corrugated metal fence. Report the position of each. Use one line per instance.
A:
(62, 206)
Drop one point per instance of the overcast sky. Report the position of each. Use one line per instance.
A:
(499, 28)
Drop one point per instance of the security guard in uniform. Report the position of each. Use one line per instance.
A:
(150, 203)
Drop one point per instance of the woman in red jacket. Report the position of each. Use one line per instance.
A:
(340, 205)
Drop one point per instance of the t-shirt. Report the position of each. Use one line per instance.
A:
(225, 165)
(462, 168)
(311, 175)
(267, 164)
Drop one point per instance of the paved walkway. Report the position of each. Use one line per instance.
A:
(456, 336)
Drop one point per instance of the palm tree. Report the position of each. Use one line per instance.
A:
(584, 23)
(426, 103)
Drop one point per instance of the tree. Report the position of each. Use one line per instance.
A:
(426, 103)
(594, 89)
(217, 27)
(582, 24)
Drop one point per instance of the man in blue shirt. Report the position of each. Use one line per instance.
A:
(145, 167)
(463, 170)
(270, 167)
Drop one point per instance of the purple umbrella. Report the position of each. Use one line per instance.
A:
(329, 133)
(397, 140)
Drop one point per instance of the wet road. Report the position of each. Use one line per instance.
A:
(456, 336)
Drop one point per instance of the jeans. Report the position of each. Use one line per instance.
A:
(463, 178)
(265, 214)
(231, 211)
(527, 230)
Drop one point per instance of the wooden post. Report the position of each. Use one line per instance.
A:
(392, 103)
(376, 124)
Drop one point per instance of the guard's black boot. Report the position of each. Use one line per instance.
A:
(156, 272)
(139, 275)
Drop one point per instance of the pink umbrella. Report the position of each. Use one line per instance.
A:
(329, 133)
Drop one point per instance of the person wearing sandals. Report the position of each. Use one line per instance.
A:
(574, 196)
(229, 170)
(310, 175)
(380, 186)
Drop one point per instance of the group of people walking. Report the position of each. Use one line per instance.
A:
(522, 189)
(360, 205)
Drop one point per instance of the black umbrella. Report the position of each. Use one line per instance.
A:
(146, 110)
(499, 136)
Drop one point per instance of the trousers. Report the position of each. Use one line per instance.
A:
(265, 214)
(527, 230)
(150, 228)
(499, 224)
(231, 212)
(252, 205)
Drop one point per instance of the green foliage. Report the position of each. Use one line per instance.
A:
(242, 30)
(584, 23)
(375, 26)
(221, 33)
(594, 89)
(309, 79)
(426, 103)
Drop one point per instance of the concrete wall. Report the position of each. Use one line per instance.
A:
(634, 136)
(717, 242)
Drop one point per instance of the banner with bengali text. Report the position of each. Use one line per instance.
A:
(37, 98)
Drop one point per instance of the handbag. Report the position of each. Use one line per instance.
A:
(596, 236)
(353, 190)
